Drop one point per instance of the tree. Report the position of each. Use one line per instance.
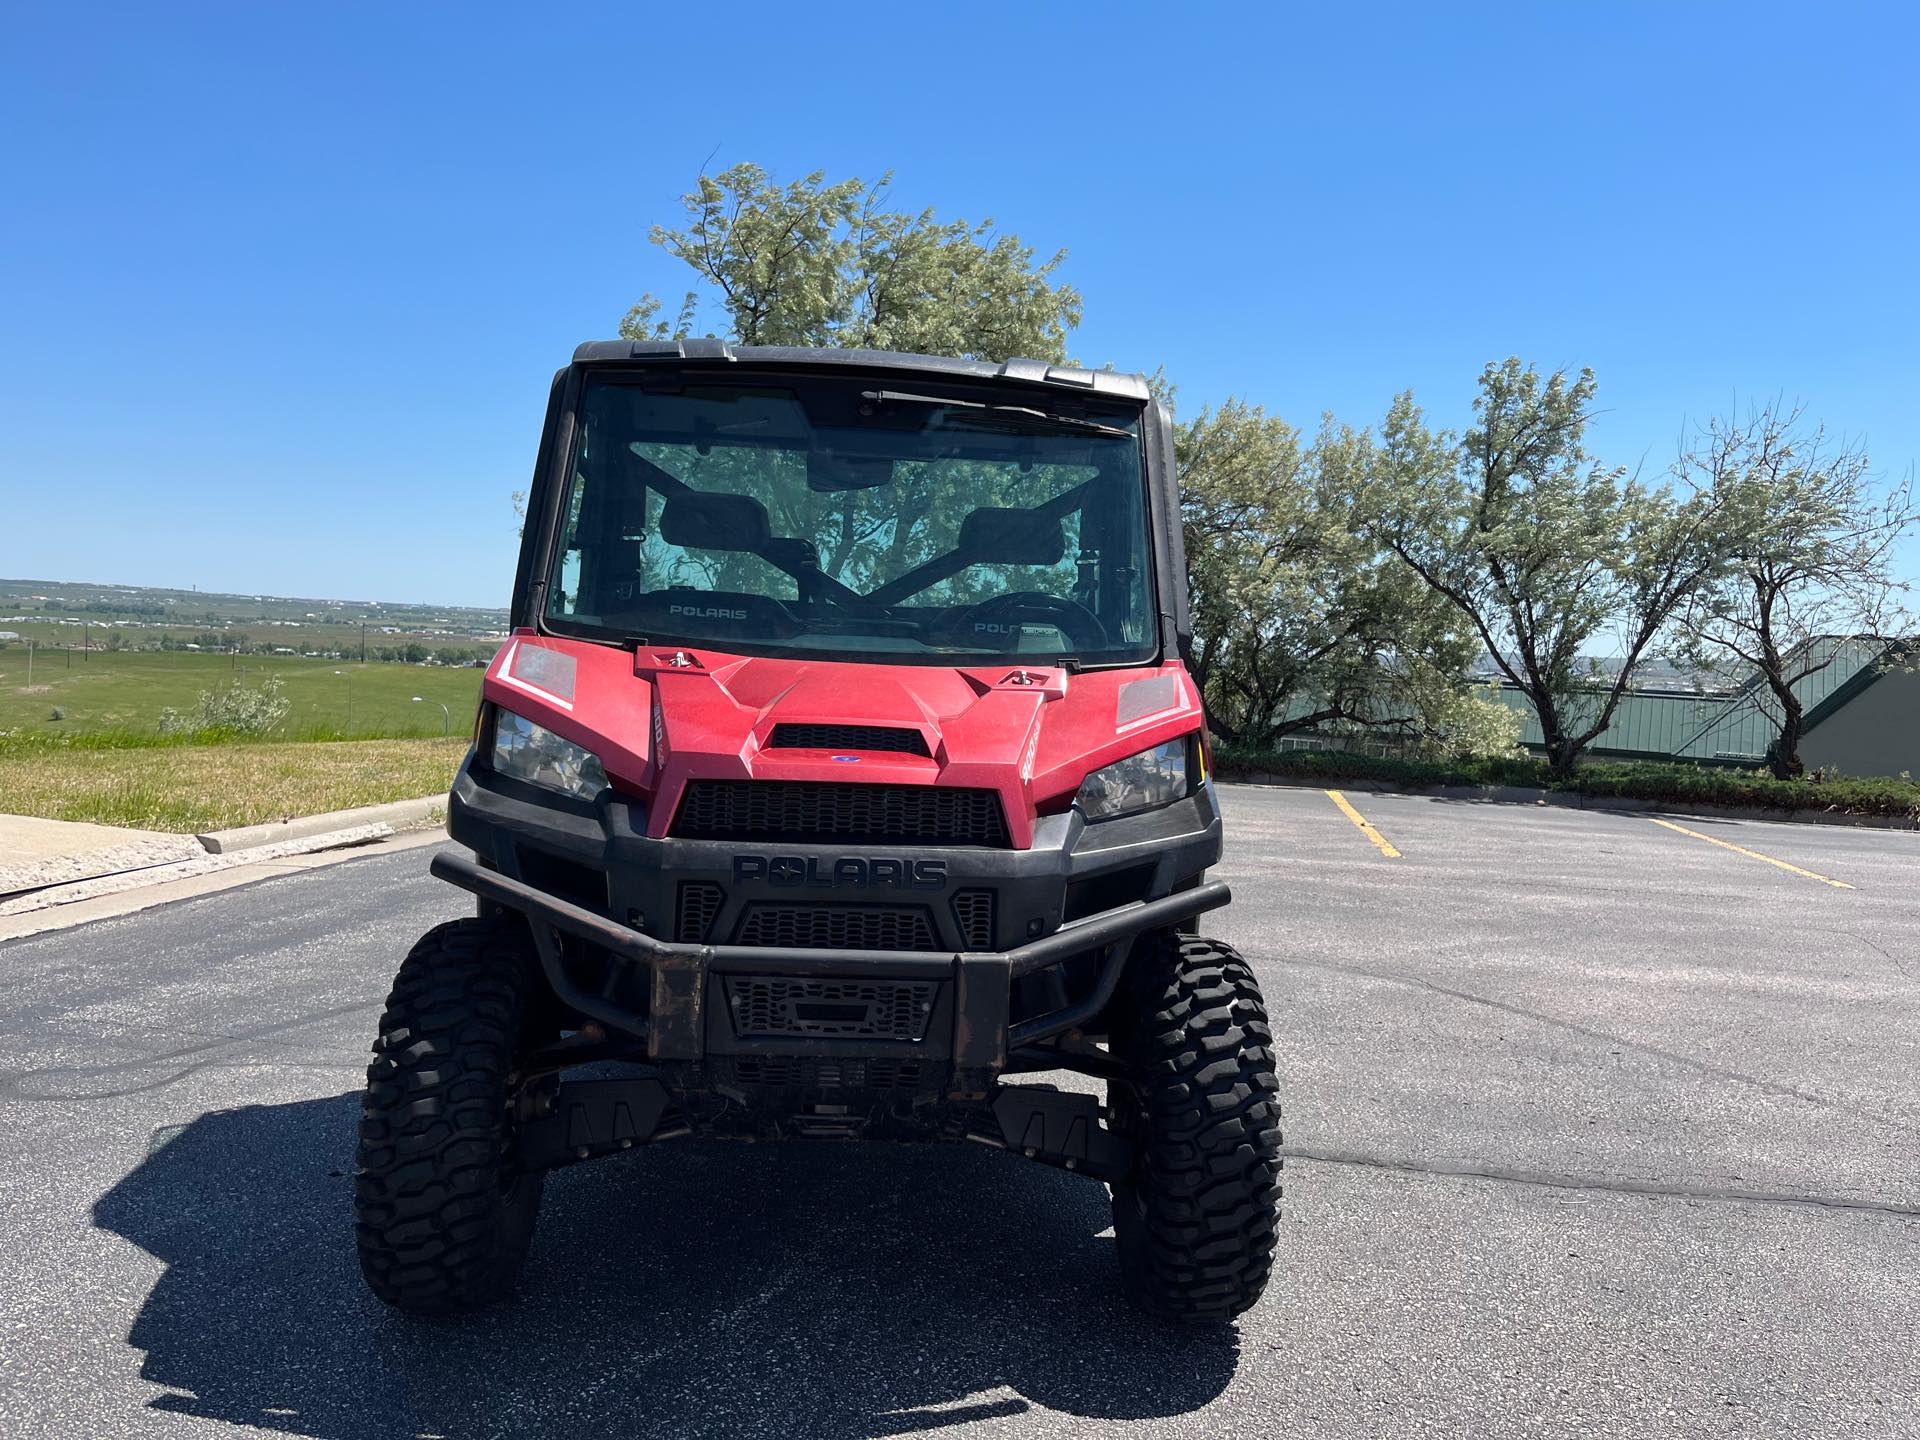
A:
(1537, 546)
(237, 710)
(1463, 723)
(1298, 622)
(1811, 557)
(812, 263)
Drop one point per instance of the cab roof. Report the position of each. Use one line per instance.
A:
(1071, 378)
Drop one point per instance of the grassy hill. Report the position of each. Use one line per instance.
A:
(109, 658)
(80, 739)
(125, 690)
(195, 788)
(156, 605)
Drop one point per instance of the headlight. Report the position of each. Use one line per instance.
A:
(1140, 782)
(530, 752)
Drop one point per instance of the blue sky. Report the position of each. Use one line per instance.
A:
(281, 288)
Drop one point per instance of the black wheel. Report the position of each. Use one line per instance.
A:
(443, 1215)
(1195, 1223)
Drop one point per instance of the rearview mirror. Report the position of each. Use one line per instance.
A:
(700, 520)
(828, 472)
(1011, 537)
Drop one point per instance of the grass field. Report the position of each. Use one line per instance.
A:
(127, 690)
(196, 788)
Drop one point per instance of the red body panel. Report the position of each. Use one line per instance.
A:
(656, 725)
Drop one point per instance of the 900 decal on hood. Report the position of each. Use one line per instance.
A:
(851, 871)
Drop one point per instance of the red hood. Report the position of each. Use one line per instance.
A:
(1030, 732)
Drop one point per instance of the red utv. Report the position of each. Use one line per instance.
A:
(841, 767)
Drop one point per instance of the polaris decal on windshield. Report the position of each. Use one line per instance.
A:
(706, 612)
(852, 871)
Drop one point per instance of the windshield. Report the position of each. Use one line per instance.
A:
(816, 517)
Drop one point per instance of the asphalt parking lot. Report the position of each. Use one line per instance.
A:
(1595, 1127)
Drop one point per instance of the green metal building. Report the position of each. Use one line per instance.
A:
(1862, 715)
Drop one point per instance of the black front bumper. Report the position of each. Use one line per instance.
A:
(676, 1022)
(598, 892)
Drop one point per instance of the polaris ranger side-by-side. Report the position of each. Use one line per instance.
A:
(840, 769)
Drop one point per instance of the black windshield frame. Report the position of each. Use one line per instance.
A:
(1079, 415)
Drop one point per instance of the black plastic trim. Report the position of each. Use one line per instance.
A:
(1072, 379)
(499, 820)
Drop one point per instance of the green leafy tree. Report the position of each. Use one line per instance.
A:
(1811, 554)
(1466, 722)
(1541, 549)
(1299, 621)
(813, 263)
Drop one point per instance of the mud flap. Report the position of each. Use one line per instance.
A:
(590, 1118)
(1058, 1127)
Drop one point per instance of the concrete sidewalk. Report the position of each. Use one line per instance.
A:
(165, 884)
(35, 852)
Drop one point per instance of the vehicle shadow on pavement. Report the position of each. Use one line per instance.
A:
(693, 1289)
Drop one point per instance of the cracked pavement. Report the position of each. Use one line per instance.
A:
(1593, 1129)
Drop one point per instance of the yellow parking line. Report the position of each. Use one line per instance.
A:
(1386, 848)
(1754, 855)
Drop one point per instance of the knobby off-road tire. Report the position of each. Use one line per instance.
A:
(1195, 1223)
(443, 1216)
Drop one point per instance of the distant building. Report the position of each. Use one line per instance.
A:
(1868, 726)
(1859, 710)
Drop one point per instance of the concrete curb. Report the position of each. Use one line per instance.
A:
(213, 874)
(90, 864)
(399, 814)
(184, 869)
(1571, 800)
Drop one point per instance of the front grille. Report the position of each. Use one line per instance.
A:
(700, 902)
(803, 811)
(837, 927)
(819, 1073)
(974, 910)
(770, 1005)
(791, 736)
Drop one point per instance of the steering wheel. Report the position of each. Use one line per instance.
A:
(1069, 617)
